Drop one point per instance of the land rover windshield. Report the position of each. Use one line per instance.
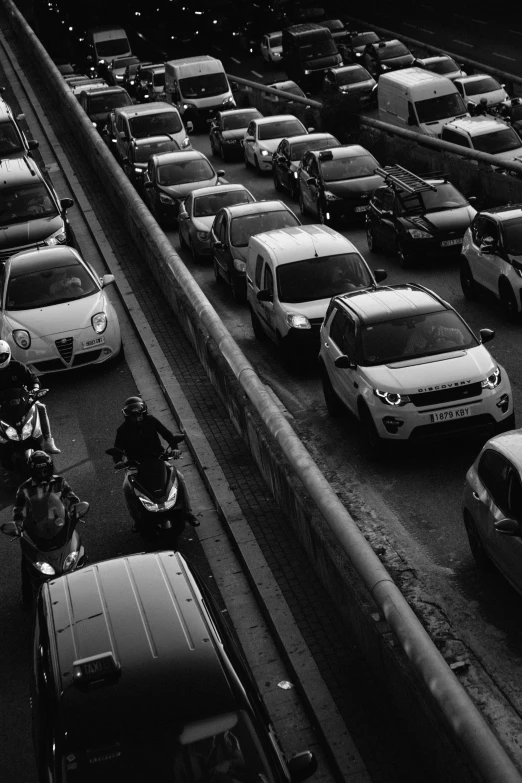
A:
(26, 202)
(204, 85)
(440, 108)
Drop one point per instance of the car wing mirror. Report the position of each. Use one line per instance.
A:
(380, 275)
(472, 199)
(508, 527)
(182, 214)
(311, 180)
(487, 245)
(107, 280)
(220, 172)
(486, 335)
(9, 529)
(218, 244)
(81, 508)
(302, 766)
(248, 139)
(264, 296)
(66, 203)
(148, 184)
(344, 363)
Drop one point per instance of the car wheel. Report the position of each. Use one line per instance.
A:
(212, 146)
(238, 289)
(372, 244)
(277, 180)
(405, 259)
(27, 588)
(302, 206)
(258, 330)
(321, 214)
(334, 404)
(247, 162)
(375, 445)
(182, 240)
(217, 276)
(467, 282)
(258, 167)
(480, 555)
(224, 154)
(508, 301)
(195, 254)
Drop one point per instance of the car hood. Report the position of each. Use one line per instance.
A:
(447, 220)
(203, 223)
(351, 187)
(311, 310)
(182, 191)
(99, 117)
(404, 61)
(52, 320)
(239, 133)
(493, 97)
(428, 373)
(321, 63)
(270, 144)
(30, 232)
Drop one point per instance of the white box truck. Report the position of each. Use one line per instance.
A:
(419, 100)
(198, 87)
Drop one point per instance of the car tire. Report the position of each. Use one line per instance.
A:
(27, 588)
(334, 404)
(238, 290)
(375, 445)
(217, 276)
(247, 162)
(370, 238)
(321, 214)
(256, 163)
(302, 206)
(277, 180)
(195, 256)
(480, 555)
(405, 259)
(508, 300)
(467, 281)
(182, 240)
(258, 330)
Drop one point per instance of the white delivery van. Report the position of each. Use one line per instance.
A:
(419, 100)
(198, 87)
(106, 43)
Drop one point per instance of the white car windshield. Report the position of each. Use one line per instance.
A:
(244, 227)
(181, 172)
(479, 86)
(26, 202)
(499, 141)
(322, 278)
(281, 129)
(403, 339)
(49, 286)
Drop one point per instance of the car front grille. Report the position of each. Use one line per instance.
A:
(55, 365)
(65, 348)
(446, 395)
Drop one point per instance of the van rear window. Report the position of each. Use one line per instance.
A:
(204, 85)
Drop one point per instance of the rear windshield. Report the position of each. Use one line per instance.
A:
(440, 108)
(204, 206)
(281, 129)
(46, 287)
(401, 339)
(348, 168)
(181, 172)
(318, 49)
(298, 149)
(393, 50)
(26, 202)
(244, 227)
(155, 124)
(99, 104)
(322, 278)
(204, 86)
(443, 66)
(10, 139)
(112, 48)
(143, 152)
(499, 141)
(237, 121)
(353, 76)
(478, 86)
(512, 234)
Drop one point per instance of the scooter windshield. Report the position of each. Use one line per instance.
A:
(45, 519)
(152, 475)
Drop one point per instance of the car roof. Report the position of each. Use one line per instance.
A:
(148, 140)
(211, 189)
(32, 260)
(274, 118)
(254, 208)
(381, 44)
(275, 32)
(507, 212)
(138, 109)
(145, 610)
(437, 58)
(389, 302)
(345, 68)
(509, 444)
(21, 169)
(109, 89)
(475, 126)
(246, 110)
(344, 151)
(309, 137)
(475, 77)
(177, 155)
(285, 85)
(296, 243)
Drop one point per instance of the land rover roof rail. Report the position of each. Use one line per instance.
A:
(404, 179)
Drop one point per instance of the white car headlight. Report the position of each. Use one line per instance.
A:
(22, 338)
(240, 265)
(417, 233)
(44, 568)
(298, 321)
(185, 142)
(265, 153)
(70, 561)
(392, 398)
(99, 322)
(166, 199)
(58, 238)
(493, 380)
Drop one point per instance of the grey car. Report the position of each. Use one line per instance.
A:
(492, 506)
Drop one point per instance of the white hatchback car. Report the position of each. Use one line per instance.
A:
(492, 257)
(272, 47)
(292, 274)
(480, 85)
(263, 135)
(55, 314)
(409, 367)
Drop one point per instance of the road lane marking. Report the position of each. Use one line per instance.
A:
(516, 32)
(235, 61)
(416, 27)
(505, 57)
(259, 75)
(479, 21)
(463, 43)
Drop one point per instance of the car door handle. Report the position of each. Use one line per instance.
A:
(475, 495)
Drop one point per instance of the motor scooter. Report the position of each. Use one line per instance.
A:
(154, 496)
(20, 426)
(49, 542)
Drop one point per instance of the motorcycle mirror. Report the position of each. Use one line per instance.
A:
(81, 508)
(9, 529)
(41, 393)
(114, 452)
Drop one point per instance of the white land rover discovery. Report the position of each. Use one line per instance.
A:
(410, 368)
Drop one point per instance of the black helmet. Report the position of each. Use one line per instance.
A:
(40, 466)
(134, 406)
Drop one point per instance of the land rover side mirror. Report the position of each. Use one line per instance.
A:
(264, 296)
(380, 275)
(486, 335)
(344, 363)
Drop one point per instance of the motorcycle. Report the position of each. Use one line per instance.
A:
(20, 426)
(154, 496)
(50, 544)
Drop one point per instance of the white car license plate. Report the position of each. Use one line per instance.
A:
(451, 415)
(94, 341)
(361, 209)
(448, 242)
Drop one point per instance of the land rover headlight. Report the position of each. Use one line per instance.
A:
(418, 233)
(493, 380)
(392, 398)
(297, 321)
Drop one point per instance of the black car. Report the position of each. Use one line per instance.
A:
(228, 128)
(129, 79)
(386, 56)
(138, 676)
(337, 183)
(351, 80)
(417, 217)
(352, 49)
(288, 155)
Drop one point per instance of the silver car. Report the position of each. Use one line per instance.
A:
(197, 214)
(492, 506)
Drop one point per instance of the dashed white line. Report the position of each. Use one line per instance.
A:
(463, 43)
(505, 57)
(217, 48)
(416, 27)
(235, 60)
(516, 32)
(479, 21)
(259, 75)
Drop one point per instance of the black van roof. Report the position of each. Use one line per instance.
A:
(140, 623)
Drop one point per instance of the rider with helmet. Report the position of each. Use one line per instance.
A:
(139, 438)
(14, 375)
(42, 481)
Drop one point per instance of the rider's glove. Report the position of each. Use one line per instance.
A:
(176, 454)
(119, 465)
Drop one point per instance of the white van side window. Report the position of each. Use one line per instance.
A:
(259, 267)
(268, 283)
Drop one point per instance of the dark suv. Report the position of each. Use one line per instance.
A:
(31, 214)
(386, 56)
(138, 676)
